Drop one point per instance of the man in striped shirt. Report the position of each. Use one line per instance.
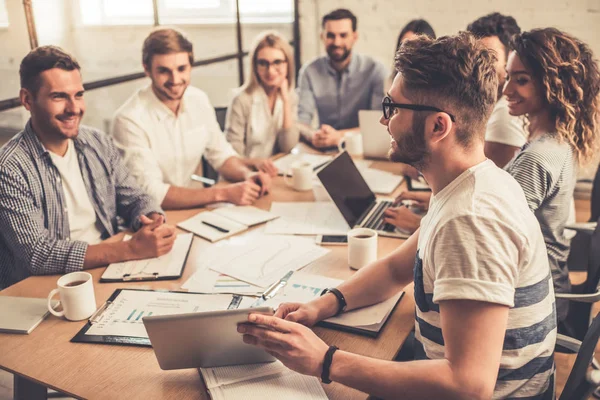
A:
(63, 186)
(485, 317)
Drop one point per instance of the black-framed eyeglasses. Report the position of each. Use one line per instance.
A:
(264, 64)
(388, 107)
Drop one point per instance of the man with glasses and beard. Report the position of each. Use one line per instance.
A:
(338, 85)
(485, 323)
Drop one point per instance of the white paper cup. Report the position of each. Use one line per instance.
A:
(76, 296)
(362, 247)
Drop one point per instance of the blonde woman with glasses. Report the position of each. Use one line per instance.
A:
(261, 120)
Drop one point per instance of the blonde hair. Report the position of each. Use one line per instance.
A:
(274, 40)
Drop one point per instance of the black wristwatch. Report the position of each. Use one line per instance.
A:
(327, 364)
(340, 297)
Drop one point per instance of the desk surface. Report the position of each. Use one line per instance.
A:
(96, 371)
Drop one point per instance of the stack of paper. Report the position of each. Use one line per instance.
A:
(22, 314)
(260, 260)
(260, 382)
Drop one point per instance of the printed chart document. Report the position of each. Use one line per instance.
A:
(260, 382)
(316, 161)
(223, 222)
(168, 266)
(307, 218)
(261, 259)
(119, 320)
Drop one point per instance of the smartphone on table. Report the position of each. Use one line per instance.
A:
(329, 240)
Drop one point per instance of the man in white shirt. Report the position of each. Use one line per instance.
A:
(165, 128)
(485, 319)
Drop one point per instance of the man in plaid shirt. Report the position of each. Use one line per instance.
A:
(63, 187)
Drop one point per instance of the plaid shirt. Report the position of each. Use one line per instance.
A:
(34, 225)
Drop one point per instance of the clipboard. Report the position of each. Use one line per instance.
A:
(371, 330)
(123, 272)
(83, 337)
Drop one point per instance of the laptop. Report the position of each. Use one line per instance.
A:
(376, 139)
(352, 196)
(203, 339)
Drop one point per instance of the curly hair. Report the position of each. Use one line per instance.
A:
(568, 76)
(495, 24)
(454, 73)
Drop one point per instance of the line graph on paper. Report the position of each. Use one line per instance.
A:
(262, 260)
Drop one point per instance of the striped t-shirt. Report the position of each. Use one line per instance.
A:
(479, 241)
(546, 169)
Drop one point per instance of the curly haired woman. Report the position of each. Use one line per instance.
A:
(554, 81)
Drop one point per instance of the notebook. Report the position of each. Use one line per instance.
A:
(223, 222)
(260, 381)
(22, 314)
(302, 287)
(168, 266)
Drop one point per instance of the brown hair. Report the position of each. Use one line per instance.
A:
(568, 77)
(454, 73)
(42, 59)
(276, 41)
(166, 41)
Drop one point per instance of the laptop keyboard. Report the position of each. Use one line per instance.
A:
(376, 221)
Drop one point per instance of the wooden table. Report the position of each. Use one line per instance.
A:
(47, 358)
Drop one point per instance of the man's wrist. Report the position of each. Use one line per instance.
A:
(219, 194)
(327, 305)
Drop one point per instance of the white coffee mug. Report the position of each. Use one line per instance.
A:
(302, 176)
(362, 247)
(352, 143)
(76, 296)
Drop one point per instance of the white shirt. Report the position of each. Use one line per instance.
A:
(479, 241)
(504, 128)
(82, 216)
(265, 125)
(161, 148)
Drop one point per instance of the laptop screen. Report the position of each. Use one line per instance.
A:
(347, 188)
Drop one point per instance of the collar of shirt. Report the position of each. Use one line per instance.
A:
(159, 108)
(37, 148)
(350, 68)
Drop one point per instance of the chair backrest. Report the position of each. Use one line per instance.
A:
(578, 319)
(207, 170)
(577, 386)
(221, 113)
(596, 196)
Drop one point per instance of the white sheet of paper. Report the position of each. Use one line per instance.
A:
(169, 264)
(124, 316)
(420, 183)
(286, 385)
(237, 373)
(284, 163)
(247, 215)
(379, 181)
(307, 218)
(208, 281)
(261, 259)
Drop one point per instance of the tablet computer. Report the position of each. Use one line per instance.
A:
(205, 339)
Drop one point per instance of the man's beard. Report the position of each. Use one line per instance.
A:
(336, 58)
(411, 148)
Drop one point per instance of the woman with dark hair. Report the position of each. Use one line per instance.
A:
(554, 82)
(410, 30)
(413, 28)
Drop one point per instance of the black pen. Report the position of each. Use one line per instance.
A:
(216, 227)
